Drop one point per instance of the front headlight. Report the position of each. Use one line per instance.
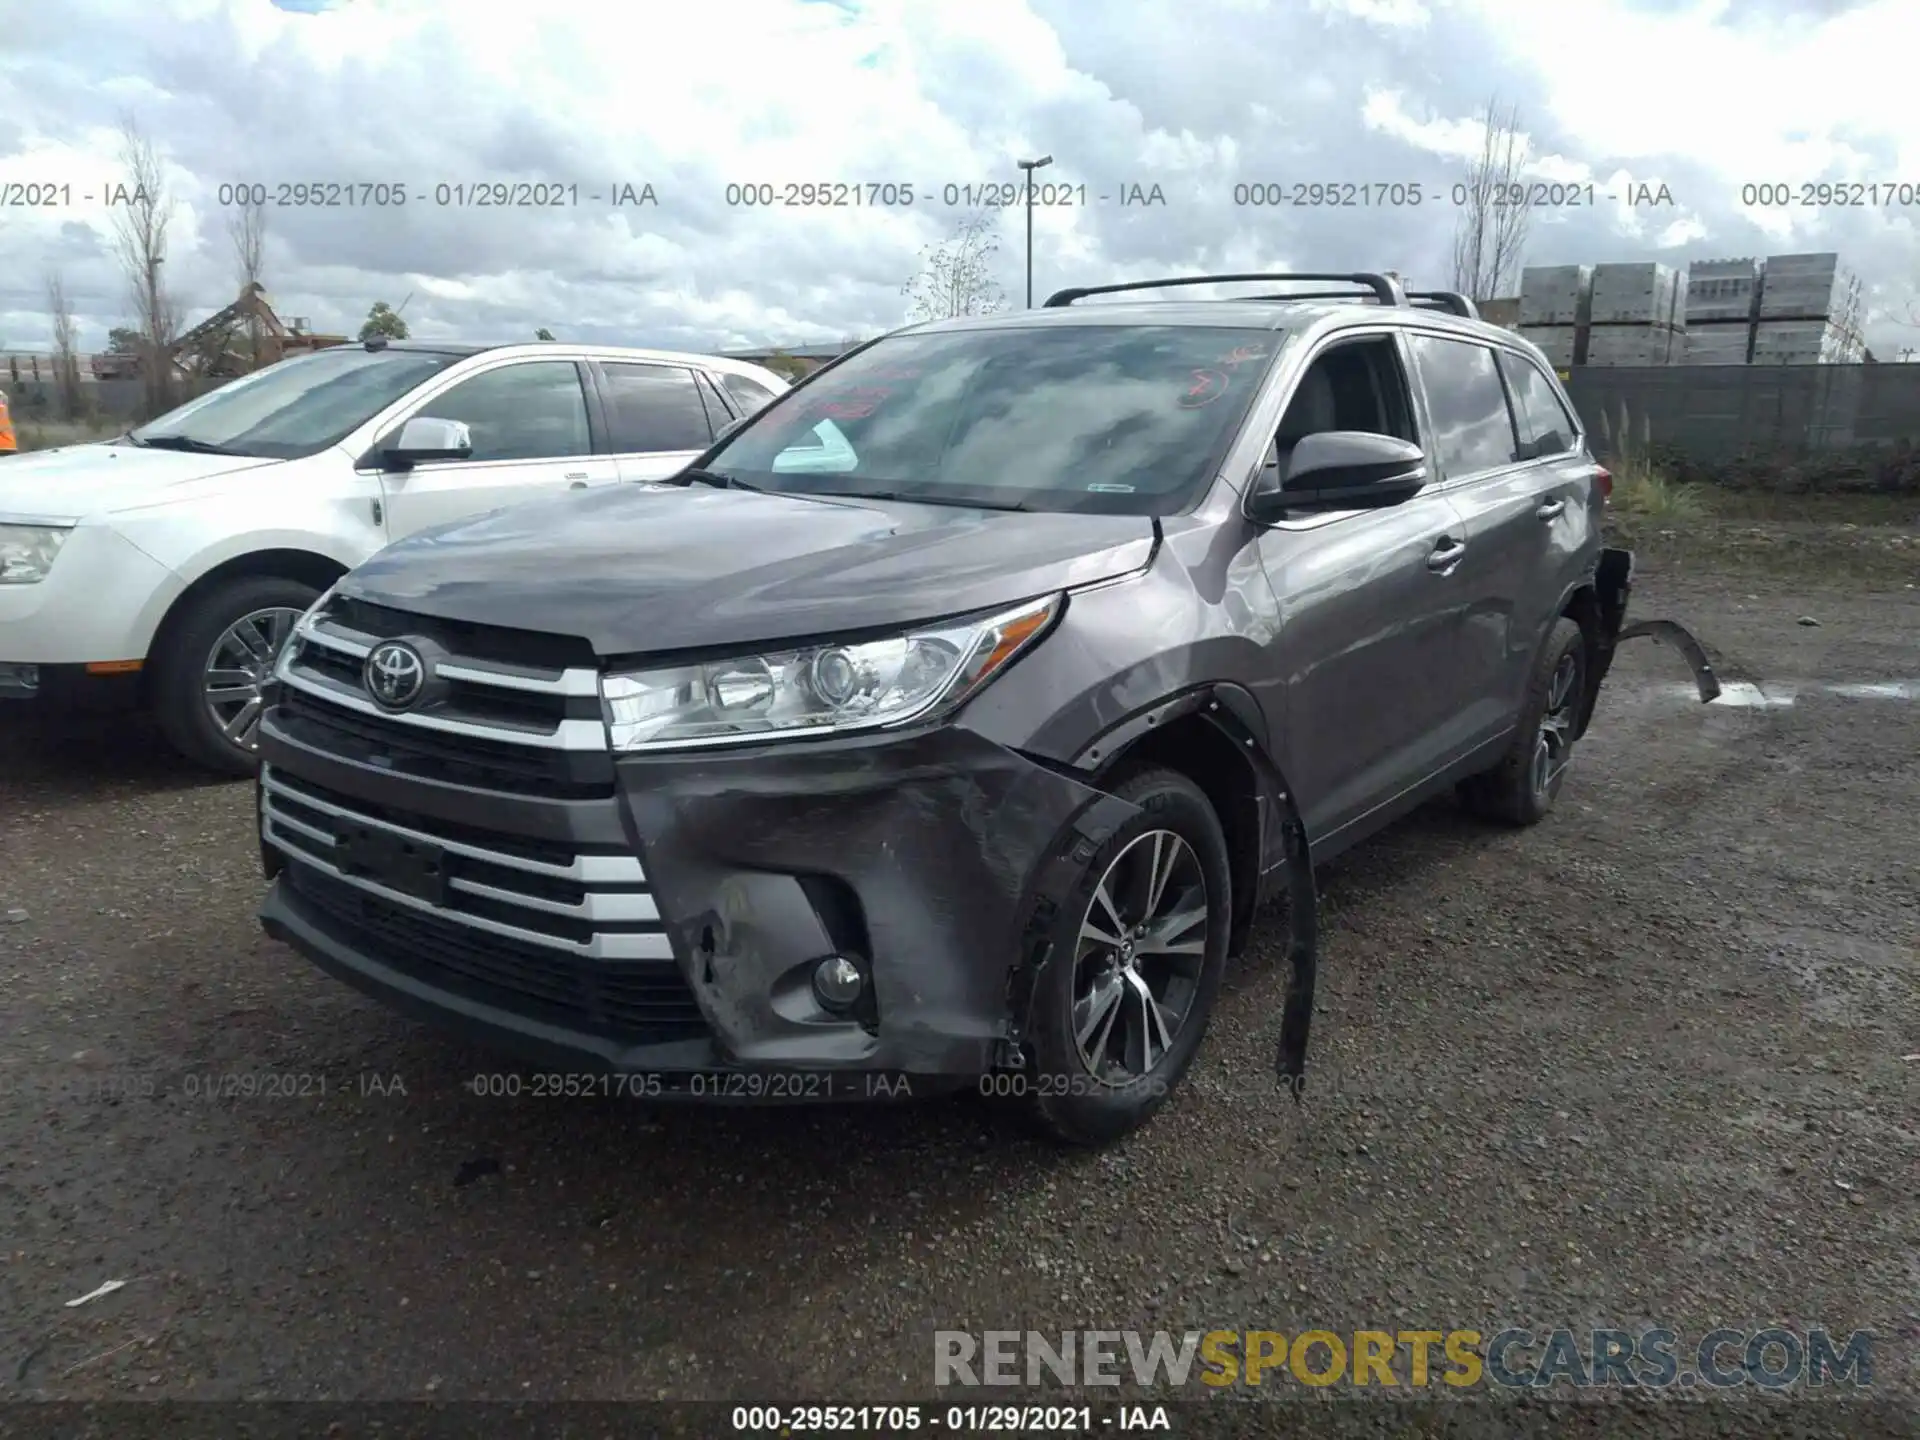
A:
(819, 689)
(27, 551)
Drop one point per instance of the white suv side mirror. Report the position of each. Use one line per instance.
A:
(424, 438)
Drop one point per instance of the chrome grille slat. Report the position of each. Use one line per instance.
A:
(586, 869)
(622, 906)
(573, 734)
(499, 701)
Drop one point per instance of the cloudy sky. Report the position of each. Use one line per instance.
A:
(434, 98)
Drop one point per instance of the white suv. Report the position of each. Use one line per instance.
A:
(166, 567)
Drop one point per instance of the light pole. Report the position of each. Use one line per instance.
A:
(1030, 166)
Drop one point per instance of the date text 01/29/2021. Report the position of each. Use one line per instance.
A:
(953, 1419)
(770, 1085)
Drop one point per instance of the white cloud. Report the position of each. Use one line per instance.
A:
(1194, 97)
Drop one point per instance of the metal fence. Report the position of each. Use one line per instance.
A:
(1714, 413)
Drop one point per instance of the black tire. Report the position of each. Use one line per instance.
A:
(1512, 792)
(1064, 1096)
(180, 662)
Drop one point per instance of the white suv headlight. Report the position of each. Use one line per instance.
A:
(27, 551)
(819, 689)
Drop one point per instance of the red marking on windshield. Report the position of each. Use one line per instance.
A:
(1240, 355)
(855, 404)
(1206, 387)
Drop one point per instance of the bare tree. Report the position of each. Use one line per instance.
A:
(1490, 235)
(247, 228)
(956, 277)
(143, 211)
(66, 352)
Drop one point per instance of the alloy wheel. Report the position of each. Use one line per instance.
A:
(1141, 951)
(1553, 744)
(238, 668)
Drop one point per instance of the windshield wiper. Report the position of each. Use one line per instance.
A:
(182, 442)
(924, 498)
(715, 479)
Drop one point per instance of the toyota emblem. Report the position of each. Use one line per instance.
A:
(395, 674)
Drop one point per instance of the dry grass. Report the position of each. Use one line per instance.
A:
(47, 434)
(1641, 488)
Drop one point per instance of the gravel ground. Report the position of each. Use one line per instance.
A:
(1642, 1065)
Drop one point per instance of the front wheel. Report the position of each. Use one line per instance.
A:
(1521, 789)
(212, 665)
(1138, 951)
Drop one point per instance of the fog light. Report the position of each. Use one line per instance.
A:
(837, 981)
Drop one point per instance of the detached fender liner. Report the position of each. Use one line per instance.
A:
(1613, 582)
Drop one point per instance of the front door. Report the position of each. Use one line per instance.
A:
(531, 437)
(1369, 614)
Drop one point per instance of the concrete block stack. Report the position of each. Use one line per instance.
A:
(1554, 306)
(1722, 303)
(1810, 307)
(1637, 315)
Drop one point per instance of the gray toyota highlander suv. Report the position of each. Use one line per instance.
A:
(945, 724)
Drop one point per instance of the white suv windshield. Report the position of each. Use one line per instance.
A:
(1115, 419)
(298, 407)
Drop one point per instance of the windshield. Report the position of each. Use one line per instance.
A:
(1115, 419)
(298, 407)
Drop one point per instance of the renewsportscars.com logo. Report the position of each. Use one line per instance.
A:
(1773, 1358)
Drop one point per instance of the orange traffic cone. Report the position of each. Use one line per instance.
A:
(8, 442)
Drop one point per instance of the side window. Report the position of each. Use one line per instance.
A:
(655, 407)
(749, 395)
(535, 411)
(1545, 426)
(1353, 385)
(1472, 426)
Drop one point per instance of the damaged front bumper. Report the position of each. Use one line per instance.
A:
(916, 858)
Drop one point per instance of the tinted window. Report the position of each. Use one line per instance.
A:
(1119, 419)
(1472, 428)
(655, 407)
(299, 406)
(535, 411)
(1545, 424)
(750, 395)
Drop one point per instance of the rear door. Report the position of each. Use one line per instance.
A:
(659, 416)
(1501, 498)
(1569, 504)
(532, 435)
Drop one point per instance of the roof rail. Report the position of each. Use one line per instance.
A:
(1384, 287)
(1450, 300)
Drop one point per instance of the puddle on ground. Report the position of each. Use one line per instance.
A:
(1780, 694)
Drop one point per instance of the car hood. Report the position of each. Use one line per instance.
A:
(75, 481)
(636, 569)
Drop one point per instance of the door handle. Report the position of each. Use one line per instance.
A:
(1446, 554)
(1549, 509)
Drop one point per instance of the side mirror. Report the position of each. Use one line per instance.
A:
(423, 439)
(1345, 470)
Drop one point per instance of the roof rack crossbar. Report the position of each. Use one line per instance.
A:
(1384, 287)
(1450, 300)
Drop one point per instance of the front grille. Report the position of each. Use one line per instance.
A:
(507, 710)
(536, 927)
(633, 1003)
(434, 755)
(591, 904)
